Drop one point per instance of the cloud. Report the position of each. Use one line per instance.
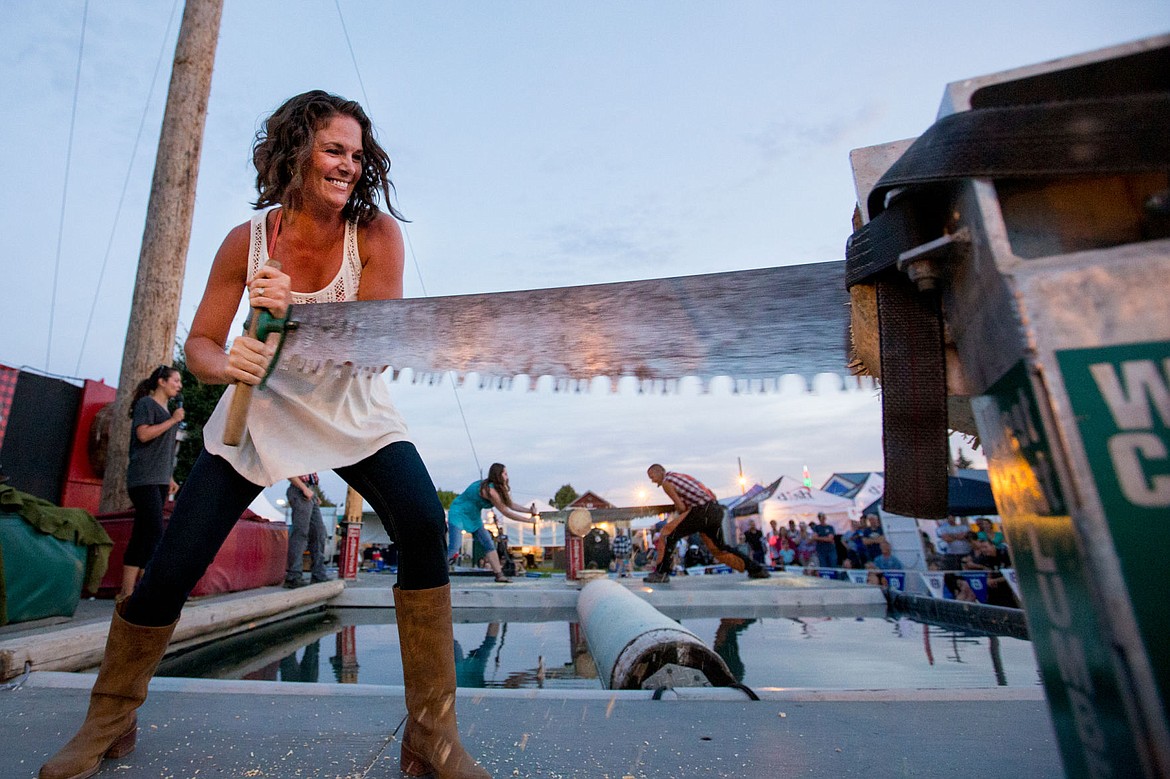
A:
(783, 137)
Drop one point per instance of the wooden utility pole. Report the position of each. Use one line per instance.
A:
(154, 313)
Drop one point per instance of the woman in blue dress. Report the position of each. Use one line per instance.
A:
(466, 515)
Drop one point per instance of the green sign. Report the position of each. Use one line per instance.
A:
(1120, 396)
(1084, 693)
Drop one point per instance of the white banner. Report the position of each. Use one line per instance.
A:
(1013, 580)
(857, 576)
(934, 583)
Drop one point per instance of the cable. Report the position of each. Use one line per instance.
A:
(65, 186)
(352, 56)
(125, 186)
(745, 689)
(454, 387)
(409, 243)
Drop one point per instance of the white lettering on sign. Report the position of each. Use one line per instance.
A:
(1126, 450)
(1133, 397)
(1068, 646)
(1140, 389)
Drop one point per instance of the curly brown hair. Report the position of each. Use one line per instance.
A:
(284, 144)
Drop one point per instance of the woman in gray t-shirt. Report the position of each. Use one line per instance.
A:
(152, 460)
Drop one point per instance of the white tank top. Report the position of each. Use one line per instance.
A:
(307, 422)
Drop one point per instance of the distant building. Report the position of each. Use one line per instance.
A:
(590, 500)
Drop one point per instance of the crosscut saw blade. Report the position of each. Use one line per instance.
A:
(750, 324)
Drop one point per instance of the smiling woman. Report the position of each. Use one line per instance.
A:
(321, 171)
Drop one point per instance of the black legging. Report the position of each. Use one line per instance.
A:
(708, 520)
(394, 480)
(148, 500)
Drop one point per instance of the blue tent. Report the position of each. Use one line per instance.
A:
(969, 494)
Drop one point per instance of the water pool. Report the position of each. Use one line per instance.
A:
(821, 652)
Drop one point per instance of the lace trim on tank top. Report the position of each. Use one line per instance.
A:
(344, 285)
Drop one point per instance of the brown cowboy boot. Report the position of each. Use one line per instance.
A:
(110, 729)
(727, 558)
(430, 741)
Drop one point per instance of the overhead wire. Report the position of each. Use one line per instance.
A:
(409, 243)
(65, 185)
(125, 187)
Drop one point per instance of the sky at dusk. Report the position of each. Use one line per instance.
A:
(534, 144)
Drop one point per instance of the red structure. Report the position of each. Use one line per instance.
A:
(351, 552)
(574, 555)
(83, 483)
(590, 500)
(253, 555)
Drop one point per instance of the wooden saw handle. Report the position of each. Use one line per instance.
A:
(237, 419)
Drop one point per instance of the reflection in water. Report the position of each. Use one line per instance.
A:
(845, 653)
(469, 668)
(307, 670)
(727, 644)
(345, 664)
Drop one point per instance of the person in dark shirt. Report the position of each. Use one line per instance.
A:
(755, 542)
(152, 460)
(872, 536)
(986, 557)
(826, 539)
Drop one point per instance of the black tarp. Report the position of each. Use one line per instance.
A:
(39, 436)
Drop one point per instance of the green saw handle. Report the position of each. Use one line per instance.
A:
(262, 326)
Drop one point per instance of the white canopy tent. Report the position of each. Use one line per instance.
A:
(264, 508)
(543, 533)
(791, 500)
(540, 506)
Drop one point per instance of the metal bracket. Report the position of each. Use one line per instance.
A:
(923, 263)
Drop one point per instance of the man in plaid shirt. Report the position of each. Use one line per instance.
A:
(697, 512)
(621, 552)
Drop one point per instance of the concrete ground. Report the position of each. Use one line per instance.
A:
(200, 728)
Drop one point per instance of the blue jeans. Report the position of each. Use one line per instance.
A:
(394, 480)
(455, 539)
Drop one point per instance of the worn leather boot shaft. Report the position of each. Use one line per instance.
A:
(430, 742)
(110, 729)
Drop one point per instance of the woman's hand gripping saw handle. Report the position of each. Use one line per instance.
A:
(237, 419)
